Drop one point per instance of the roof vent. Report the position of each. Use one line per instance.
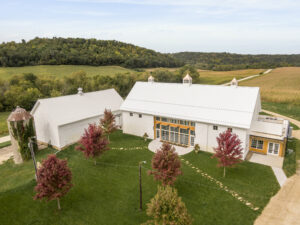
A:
(151, 79)
(80, 92)
(187, 79)
(234, 82)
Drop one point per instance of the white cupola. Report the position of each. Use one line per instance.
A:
(234, 82)
(187, 79)
(80, 92)
(150, 79)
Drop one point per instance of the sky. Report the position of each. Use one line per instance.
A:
(236, 26)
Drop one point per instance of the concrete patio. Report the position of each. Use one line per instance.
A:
(156, 144)
(268, 160)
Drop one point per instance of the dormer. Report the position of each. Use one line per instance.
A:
(187, 79)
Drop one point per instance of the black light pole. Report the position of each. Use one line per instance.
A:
(140, 178)
(30, 145)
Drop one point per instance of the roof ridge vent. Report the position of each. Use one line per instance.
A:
(187, 79)
(80, 92)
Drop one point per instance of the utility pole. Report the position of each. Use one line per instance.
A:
(140, 179)
(30, 145)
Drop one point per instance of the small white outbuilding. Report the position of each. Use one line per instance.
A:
(60, 121)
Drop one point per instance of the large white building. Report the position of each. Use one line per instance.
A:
(61, 121)
(187, 114)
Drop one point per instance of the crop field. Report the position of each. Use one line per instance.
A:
(221, 77)
(61, 70)
(282, 85)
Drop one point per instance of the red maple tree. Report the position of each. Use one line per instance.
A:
(93, 143)
(54, 179)
(108, 123)
(229, 150)
(166, 165)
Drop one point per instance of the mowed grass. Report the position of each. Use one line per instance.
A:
(3, 123)
(221, 77)
(290, 159)
(61, 70)
(281, 85)
(108, 192)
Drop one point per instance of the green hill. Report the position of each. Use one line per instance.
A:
(229, 61)
(79, 51)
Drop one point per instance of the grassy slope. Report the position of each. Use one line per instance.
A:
(220, 77)
(108, 193)
(62, 70)
(3, 123)
(286, 109)
(290, 160)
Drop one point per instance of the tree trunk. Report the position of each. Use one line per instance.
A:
(224, 172)
(58, 204)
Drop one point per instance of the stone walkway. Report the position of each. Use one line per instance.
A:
(280, 175)
(5, 153)
(4, 139)
(156, 144)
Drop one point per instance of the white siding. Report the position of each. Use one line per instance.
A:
(45, 130)
(71, 133)
(206, 137)
(138, 126)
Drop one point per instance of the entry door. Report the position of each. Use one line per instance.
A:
(273, 148)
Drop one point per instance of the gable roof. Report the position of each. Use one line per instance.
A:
(215, 104)
(70, 108)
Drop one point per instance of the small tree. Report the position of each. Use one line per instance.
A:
(145, 136)
(93, 143)
(54, 179)
(197, 148)
(166, 165)
(108, 123)
(167, 208)
(229, 150)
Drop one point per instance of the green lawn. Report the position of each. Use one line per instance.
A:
(3, 123)
(108, 192)
(290, 160)
(5, 144)
(61, 70)
(290, 110)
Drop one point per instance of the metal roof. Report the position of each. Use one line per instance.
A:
(215, 104)
(70, 108)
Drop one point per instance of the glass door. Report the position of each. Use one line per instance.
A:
(273, 148)
(184, 136)
(157, 130)
(174, 134)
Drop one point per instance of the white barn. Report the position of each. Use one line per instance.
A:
(60, 121)
(187, 114)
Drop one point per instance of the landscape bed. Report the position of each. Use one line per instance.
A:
(108, 192)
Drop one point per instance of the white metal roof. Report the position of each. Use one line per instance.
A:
(70, 108)
(216, 104)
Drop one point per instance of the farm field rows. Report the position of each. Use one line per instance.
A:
(61, 70)
(108, 192)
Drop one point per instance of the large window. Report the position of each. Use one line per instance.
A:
(258, 144)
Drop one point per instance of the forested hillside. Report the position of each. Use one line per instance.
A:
(79, 51)
(229, 61)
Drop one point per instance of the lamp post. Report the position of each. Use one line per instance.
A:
(140, 179)
(30, 146)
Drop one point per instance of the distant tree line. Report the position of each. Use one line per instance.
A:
(79, 51)
(24, 90)
(228, 61)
